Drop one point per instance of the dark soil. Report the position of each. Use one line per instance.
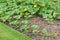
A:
(42, 24)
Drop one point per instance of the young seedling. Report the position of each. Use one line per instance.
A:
(24, 27)
(35, 29)
(35, 26)
(45, 32)
(25, 22)
(54, 34)
(15, 22)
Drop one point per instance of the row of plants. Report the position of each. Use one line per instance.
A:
(35, 30)
(12, 10)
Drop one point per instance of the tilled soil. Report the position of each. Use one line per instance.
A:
(42, 24)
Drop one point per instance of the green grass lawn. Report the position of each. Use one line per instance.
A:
(7, 33)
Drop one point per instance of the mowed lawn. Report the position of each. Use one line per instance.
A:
(7, 33)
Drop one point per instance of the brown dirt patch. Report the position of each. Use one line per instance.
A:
(42, 24)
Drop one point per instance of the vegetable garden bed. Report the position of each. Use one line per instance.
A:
(26, 17)
(51, 28)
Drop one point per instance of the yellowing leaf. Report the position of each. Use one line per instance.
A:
(35, 5)
(25, 9)
(43, 5)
